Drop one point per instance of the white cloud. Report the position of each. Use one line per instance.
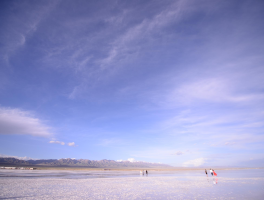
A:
(215, 90)
(194, 163)
(71, 144)
(208, 89)
(218, 124)
(57, 142)
(19, 31)
(229, 143)
(178, 153)
(15, 121)
(17, 157)
(131, 159)
(110, 141)
(125, 43)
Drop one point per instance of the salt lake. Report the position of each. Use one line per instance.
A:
(114, 184)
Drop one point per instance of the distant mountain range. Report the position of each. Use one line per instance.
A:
(68, 162)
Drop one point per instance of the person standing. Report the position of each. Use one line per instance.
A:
(211, 171)
(146, 172)
(214, 173)
(206, 172)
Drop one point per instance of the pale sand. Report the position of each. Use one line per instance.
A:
(130, 188)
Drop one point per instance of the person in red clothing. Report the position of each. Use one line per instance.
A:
(215, 174)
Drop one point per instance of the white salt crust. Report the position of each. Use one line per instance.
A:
(116, 188)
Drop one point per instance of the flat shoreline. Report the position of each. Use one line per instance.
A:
(133, 169)
(141, 187)
(83, 168)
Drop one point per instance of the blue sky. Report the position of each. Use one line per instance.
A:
(176, 82)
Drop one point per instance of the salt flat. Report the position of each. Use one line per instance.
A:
(140, 187)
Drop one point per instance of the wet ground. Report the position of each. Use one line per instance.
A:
(41, 184)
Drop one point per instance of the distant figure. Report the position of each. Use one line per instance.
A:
(211, 171)
(146, 172)
(206, 172)
(215, 174)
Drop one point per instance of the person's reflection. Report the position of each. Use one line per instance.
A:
(141, 172)
(215, 180)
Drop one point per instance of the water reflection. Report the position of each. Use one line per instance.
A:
(83, 174)
(215, 180)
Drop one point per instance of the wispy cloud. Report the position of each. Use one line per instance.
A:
(111, 142)
(178, 153)
(16, 34)
(216, 90)
(223, 127)
(122, 47)
(16, 121)
(71, 144)
(17, 157)
(56, 142)
(195, 163)
(131, 159)
(152, 78)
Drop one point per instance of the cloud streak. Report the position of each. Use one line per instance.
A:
(178, 153)
(17, 157)
(56, 142)
(71, 144)
(195, 163)
(16, 121)
(16, 36)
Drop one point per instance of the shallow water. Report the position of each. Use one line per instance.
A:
(182, 174)
(48, 184)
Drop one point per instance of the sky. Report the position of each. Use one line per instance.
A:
(178, 82)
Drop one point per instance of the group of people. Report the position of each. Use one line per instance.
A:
(212, 172)
(142, 172)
